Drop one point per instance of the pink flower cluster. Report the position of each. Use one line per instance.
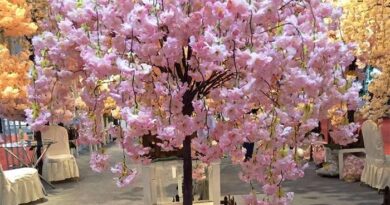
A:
(345, 134)
(319, 153)
(252, 199)
(353, 168)
(126, 175)
(220, 72)
(92, 129)
(199, 173)
(99, 162)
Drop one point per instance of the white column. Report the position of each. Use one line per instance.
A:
(150, 185)
(215, 182)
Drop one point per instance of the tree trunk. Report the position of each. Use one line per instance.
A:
(187, 159)
(187, 172)
(38, 152)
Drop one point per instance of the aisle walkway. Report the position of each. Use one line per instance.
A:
(94, 188)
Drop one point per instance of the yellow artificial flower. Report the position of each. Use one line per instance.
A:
(367, 23)
(16, 23)
(15, 18)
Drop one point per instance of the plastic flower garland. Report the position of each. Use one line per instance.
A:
(202, 76)
(14, 22)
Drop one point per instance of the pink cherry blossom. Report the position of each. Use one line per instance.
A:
(99, 162)
(270, 189)
(353, 168)
(199, 172)
(345, 134)
(126, 177)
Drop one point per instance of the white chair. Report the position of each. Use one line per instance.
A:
(376, 172)
(59, 164)
(19, 186)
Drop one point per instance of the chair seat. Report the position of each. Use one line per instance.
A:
(60, 157)
(20, 174)
(20, 186)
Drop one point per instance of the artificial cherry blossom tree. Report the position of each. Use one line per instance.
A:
(201, 76)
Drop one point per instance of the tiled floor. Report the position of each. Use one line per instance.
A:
(94, 188)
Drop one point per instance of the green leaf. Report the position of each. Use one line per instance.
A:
(279, 30)
(34, 73)
(79, 3)
(58, 17)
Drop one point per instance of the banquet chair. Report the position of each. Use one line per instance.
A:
(18, 186)
(59, 163)
(376, 172)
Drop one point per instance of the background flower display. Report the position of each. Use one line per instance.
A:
(198, 76)
(15, 18)
(15, 23)
(39, 11)
(367, 23)
(377, 104)
(319, 154)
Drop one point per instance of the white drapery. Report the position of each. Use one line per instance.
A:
(59, 164)
(376, 172)
(20, 186)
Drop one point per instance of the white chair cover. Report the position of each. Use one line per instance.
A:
(59, 164)
(19, 186)
(376, 172)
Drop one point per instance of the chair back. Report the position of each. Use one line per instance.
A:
(373, 142)
(60, 136)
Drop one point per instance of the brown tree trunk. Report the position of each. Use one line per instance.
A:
(187, 159)
(187, 172)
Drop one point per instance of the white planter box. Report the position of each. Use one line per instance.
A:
(163, 180)
(196, 203)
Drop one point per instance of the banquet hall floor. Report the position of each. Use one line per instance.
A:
(94, 188)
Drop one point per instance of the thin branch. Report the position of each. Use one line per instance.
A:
(179, 71)
(218, 83)
(286, 4)
(234, 62)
